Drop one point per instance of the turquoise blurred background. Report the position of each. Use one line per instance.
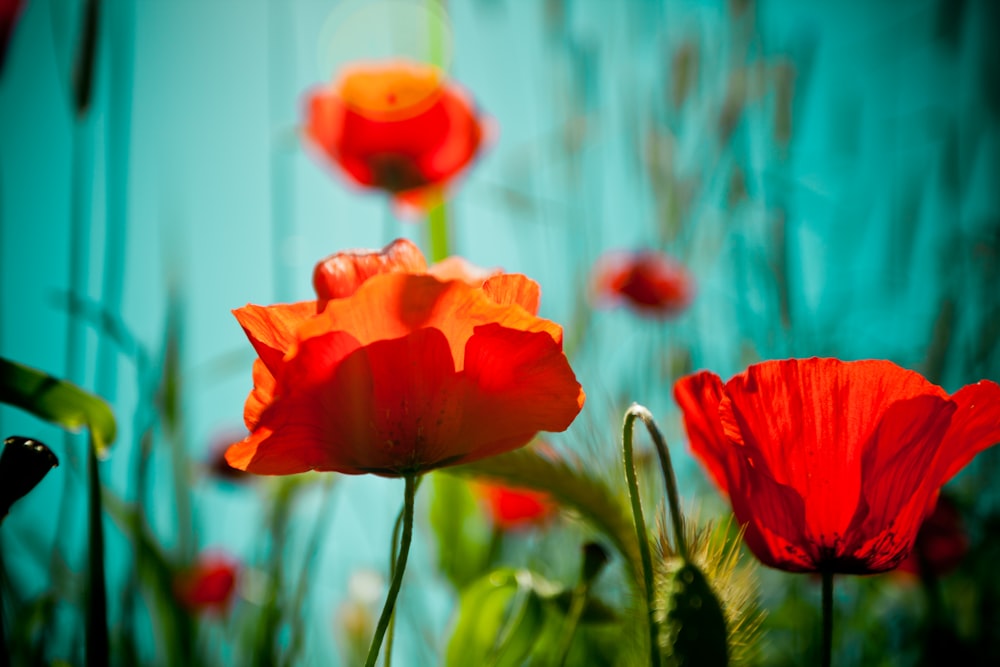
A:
(829, 175)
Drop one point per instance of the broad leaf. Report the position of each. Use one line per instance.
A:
(57, 401)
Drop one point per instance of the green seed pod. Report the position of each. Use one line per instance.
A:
(693, 628)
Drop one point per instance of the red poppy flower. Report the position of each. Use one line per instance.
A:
(512, 508)
(208, 585)
(395, 371)
(941, 542)
(650, 282)
(832, 465)
(397, 126)
(9, 11)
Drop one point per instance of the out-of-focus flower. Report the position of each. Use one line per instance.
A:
(217, 465)
(512, 508)
(401, 372)
(832, 465)
(23, 464)
(398, 126)
(9, 12)
(649, 282)
(357, 615)
(208, 585)
(941, 543)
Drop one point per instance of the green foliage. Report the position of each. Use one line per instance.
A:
(463, 539)
(513, 617)
(57, 401)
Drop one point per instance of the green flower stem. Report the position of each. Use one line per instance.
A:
(437, 231)
(827, 647)
(640, 528)
(680, 544)
(397, 575)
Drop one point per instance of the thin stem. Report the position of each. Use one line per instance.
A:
(397, 576)
(97, 613)
(437, 230)
(668, 478)
(640, 529)
(579, 601)
(827, 618)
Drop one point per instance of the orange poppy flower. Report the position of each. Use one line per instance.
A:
(396, 371)
(513, 508)
(208, 585)
(832, 465)
(396, 126)
(649, 282)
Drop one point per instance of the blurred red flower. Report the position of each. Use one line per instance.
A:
(512, 508)
(9, 11)
(208, 585)
(397, 126)
(396, 371)
(649, 282)
(941, 542)
(832, 465)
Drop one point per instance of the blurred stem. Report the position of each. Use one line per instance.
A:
(409, 494)
(640, 529)
(827, 646)
(97, 604)
(669, 478)
(394, 550)
(4, 653)
(437, 231)
(580, 594)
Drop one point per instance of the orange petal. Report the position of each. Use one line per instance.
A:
(518, 383)
(511, 288)
(396, 304)
(260, 396)
(459, 268)
(272, 329)
(341, 274)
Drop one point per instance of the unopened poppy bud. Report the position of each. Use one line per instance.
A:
(23, 464)
(595, 558)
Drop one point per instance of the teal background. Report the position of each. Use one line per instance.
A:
(187, 191)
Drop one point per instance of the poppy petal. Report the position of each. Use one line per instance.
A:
(260, 396)
(394, 305)
(341, 274)
(459, 268)
(290, 435)
(974, 427)
(699, 396)
(815, 414)
(517, 383)
(511, 288)
(898, 489)
(272, 329)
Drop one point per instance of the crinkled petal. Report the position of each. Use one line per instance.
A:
(975, 426)
(396, 304)
(898, 486)
(517, 384)
(698, 396)
(801, 416)
(341, 274)
(293, 433)
(511, 288)
(260, 396)
(272, 329)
